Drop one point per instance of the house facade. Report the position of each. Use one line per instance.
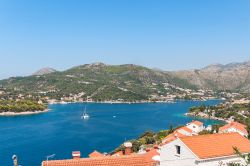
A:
(204, 150)
(234, 127)
(196, 126)
(192, 128)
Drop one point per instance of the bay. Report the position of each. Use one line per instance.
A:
(61, 130)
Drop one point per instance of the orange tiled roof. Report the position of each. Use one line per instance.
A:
(149, 155)
(186, 129)
(95, 154)
(132, 160)
(172, 136)
(216, 145)
(198, 123)
(236, 125)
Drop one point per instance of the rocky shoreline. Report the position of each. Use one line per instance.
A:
(22, 113)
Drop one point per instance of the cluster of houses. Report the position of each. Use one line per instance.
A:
(184, 147)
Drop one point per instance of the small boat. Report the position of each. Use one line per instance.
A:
(85, 115)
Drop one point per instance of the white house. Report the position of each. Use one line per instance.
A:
(204, 150)
(192, 128)
(234, 127)
(196, 126)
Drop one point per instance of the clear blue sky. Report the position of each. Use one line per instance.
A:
(166, 34)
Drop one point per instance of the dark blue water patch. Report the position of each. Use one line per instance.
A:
(61, 130)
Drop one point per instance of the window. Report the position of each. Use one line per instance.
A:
(178, 149)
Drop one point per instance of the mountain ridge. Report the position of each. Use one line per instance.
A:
(232, 76)
(130, 82)
(43, 71)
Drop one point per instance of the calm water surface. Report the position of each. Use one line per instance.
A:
(62, 131)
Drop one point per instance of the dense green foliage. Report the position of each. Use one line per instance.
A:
(20, 106)
(234, 111)
(239, 112)
(147, 139)
(98, 81)
(197, 109)
(245, 157)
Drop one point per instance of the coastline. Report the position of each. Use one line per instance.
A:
(127, 102)
(22, 113)
(203, 117)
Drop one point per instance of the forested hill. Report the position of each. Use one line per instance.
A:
(128, 82)
(98, 81)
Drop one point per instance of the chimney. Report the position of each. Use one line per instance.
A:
(76, 155)
(128, 148)
(156, 146)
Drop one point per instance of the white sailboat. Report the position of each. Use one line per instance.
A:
(85, 115)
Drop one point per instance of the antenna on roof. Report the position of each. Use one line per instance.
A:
(15, 160)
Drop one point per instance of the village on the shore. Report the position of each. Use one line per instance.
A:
(44, 97)
(192, 144)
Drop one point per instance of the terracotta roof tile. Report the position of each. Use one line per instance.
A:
(152, 153)
(186, 129)
(132, 160)
(95, 154)
(198, 123)
(171, 137)
(216, 145)
(236, 125)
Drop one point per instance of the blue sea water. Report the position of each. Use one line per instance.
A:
(61, 130)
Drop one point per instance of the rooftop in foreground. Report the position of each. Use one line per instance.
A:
(216, 145)
(131, 160)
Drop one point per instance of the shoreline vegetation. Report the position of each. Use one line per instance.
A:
(211, 117)
(21, 107)
(227, 111)
(28, 107)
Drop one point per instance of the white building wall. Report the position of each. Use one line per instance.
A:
(221, 161)
(170, 158)
(195, 127)
(232, 129)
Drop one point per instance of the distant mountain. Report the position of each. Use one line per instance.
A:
(130, 82)
(233, 76)
(44, 71)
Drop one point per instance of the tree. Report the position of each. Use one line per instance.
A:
(171, 129)
(245, 157)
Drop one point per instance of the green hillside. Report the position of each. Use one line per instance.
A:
(97, 81)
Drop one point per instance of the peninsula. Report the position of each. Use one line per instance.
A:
(21, 107)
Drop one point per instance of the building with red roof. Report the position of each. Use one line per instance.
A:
(234, 127)
(204, 150)
(95, 154)
(195, 126)
(192, 128)
(126, 158)
(132, 160)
